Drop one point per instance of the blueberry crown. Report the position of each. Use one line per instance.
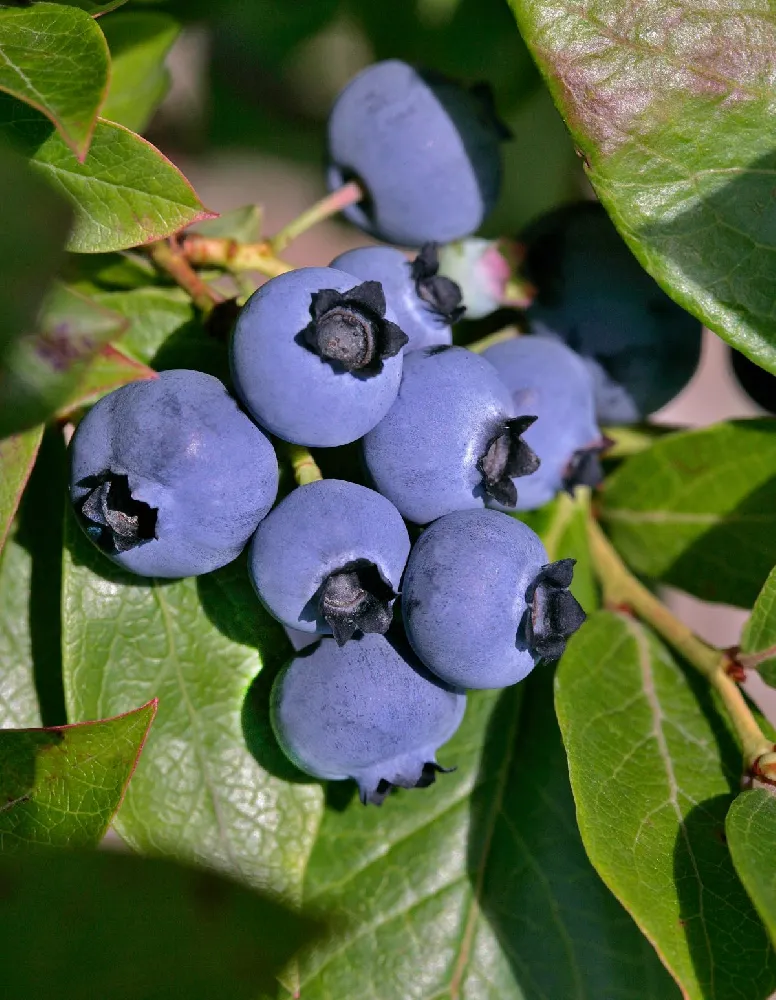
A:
(113, 518)
(354, 599)
(350, 331)
(584, 467)
(554, 614)
(375, 792)
(506, 458)
(442, 295)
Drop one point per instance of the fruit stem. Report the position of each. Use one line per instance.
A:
(170, 260)
(621, 588)
(231, 255)
(508, 333)
(349, 194)
(304, 465)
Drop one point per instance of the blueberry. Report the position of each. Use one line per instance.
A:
(759, 384)
(481, 271)
(548, 379)
(452, 439)
(424, 303)
(329, 559)
(168, 477)
(482, 604)
(425, 149)
(368, 711)
(316, 357)
(592, 292)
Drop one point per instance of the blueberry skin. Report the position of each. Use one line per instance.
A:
(547, 379)
(424, 326)
(288, 389)
(189, 451)
(368, 711)
(757, 383)
(423, 454)
(316, 530)
(425, 149)
(464, 598)
(594, 294)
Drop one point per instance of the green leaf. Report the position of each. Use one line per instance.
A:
(56, 59)
(562, 526)
(698, 510)
(199, 793)
(109, 370)
(76, 925)
(18, 697)
(478, 886)
(670, 105)
(34, 225)
(139, 44)
(241, 224)
(89, 273)
(17, 457)
(61, 787)
(153, 315)
(751, 832)
(45, 368)
(125, 193)
(166, 331)
(758, 639)
(654, 770)
(91, 7)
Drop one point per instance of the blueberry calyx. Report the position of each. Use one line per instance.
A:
(554, 614)
(442, 295)
(349, 329)
(376, 794)
(116, 521)
(356, 599)
(507, 457)
(584, 467)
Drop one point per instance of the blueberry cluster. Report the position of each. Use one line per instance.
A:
(171, 477)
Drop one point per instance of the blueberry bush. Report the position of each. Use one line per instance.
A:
(332, 595)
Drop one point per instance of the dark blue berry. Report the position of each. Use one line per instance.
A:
(316, 357)
(329, 559)
(425, 149)
(548, 379)
(452, 440)
(368, 711)
(759, 384)
(482, 604)
(168, 477)
(592, 292)
(424, 303)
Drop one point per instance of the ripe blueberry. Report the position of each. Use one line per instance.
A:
(425, 149)
(368, 711)
(547, 378)
(452, 439)
(329, 559)
(759, 384)
(482, 604)
(168, 477)
(424, 303)
(592, 292)
(316, 357)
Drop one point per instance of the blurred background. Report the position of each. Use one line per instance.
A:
(251, 86)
